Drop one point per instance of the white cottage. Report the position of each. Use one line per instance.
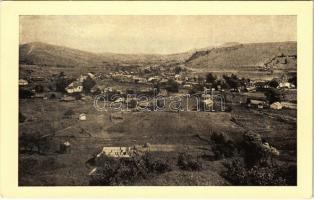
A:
(74, 87)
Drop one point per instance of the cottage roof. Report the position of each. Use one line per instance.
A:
(253, 101)
(74, 84)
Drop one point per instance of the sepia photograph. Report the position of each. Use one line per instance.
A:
(157, 100)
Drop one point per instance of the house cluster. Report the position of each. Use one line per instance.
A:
(260, 104)
(260, 85)
(31, 79)
(77, 85)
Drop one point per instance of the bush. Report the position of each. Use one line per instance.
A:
(88, 84)
(126, 171)
(293, 80)
(196, 88)
(113, 171)
(256, 150)
(273, 95)
(62, 82)
(257, 175)
(273, 83)
(233, 81)
(187, 162)
(210, 78)
(172, 86)
(25, 94)
(156, 165)
(222, 146)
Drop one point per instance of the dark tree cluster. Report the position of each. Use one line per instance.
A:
(172, 86)
(88, 84)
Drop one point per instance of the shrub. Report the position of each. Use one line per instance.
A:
(196, 88)
(25, 93)
(210, 78)
(273, 95)
(114, 172)
(293, 80)
(273, 83)
(172, 86)
(177, 69)
(88, 84)
(222, 146)
(256, 150)
(156, 165)
(126, 171)
(233, 81)
(62, 82)
(187, 162)
(290, 174)
(238, 174)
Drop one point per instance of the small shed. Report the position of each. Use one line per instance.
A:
(257, 103)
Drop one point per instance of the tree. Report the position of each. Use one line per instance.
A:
(61, 84)
(233, 81)
(196, 88)
(25, 94)
(273, 83)
(293, 80)
(210, 78)
(177, 69)
(172, 86)
(88, 84)
(273, 95)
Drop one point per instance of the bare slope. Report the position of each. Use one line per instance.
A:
(240, 55)
(38, 53)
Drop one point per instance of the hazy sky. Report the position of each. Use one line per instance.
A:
(154, 34)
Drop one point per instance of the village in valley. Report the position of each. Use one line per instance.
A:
(221, 115)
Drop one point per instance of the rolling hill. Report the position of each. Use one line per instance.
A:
(38, 53)
(228, 56)
(239, 56)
